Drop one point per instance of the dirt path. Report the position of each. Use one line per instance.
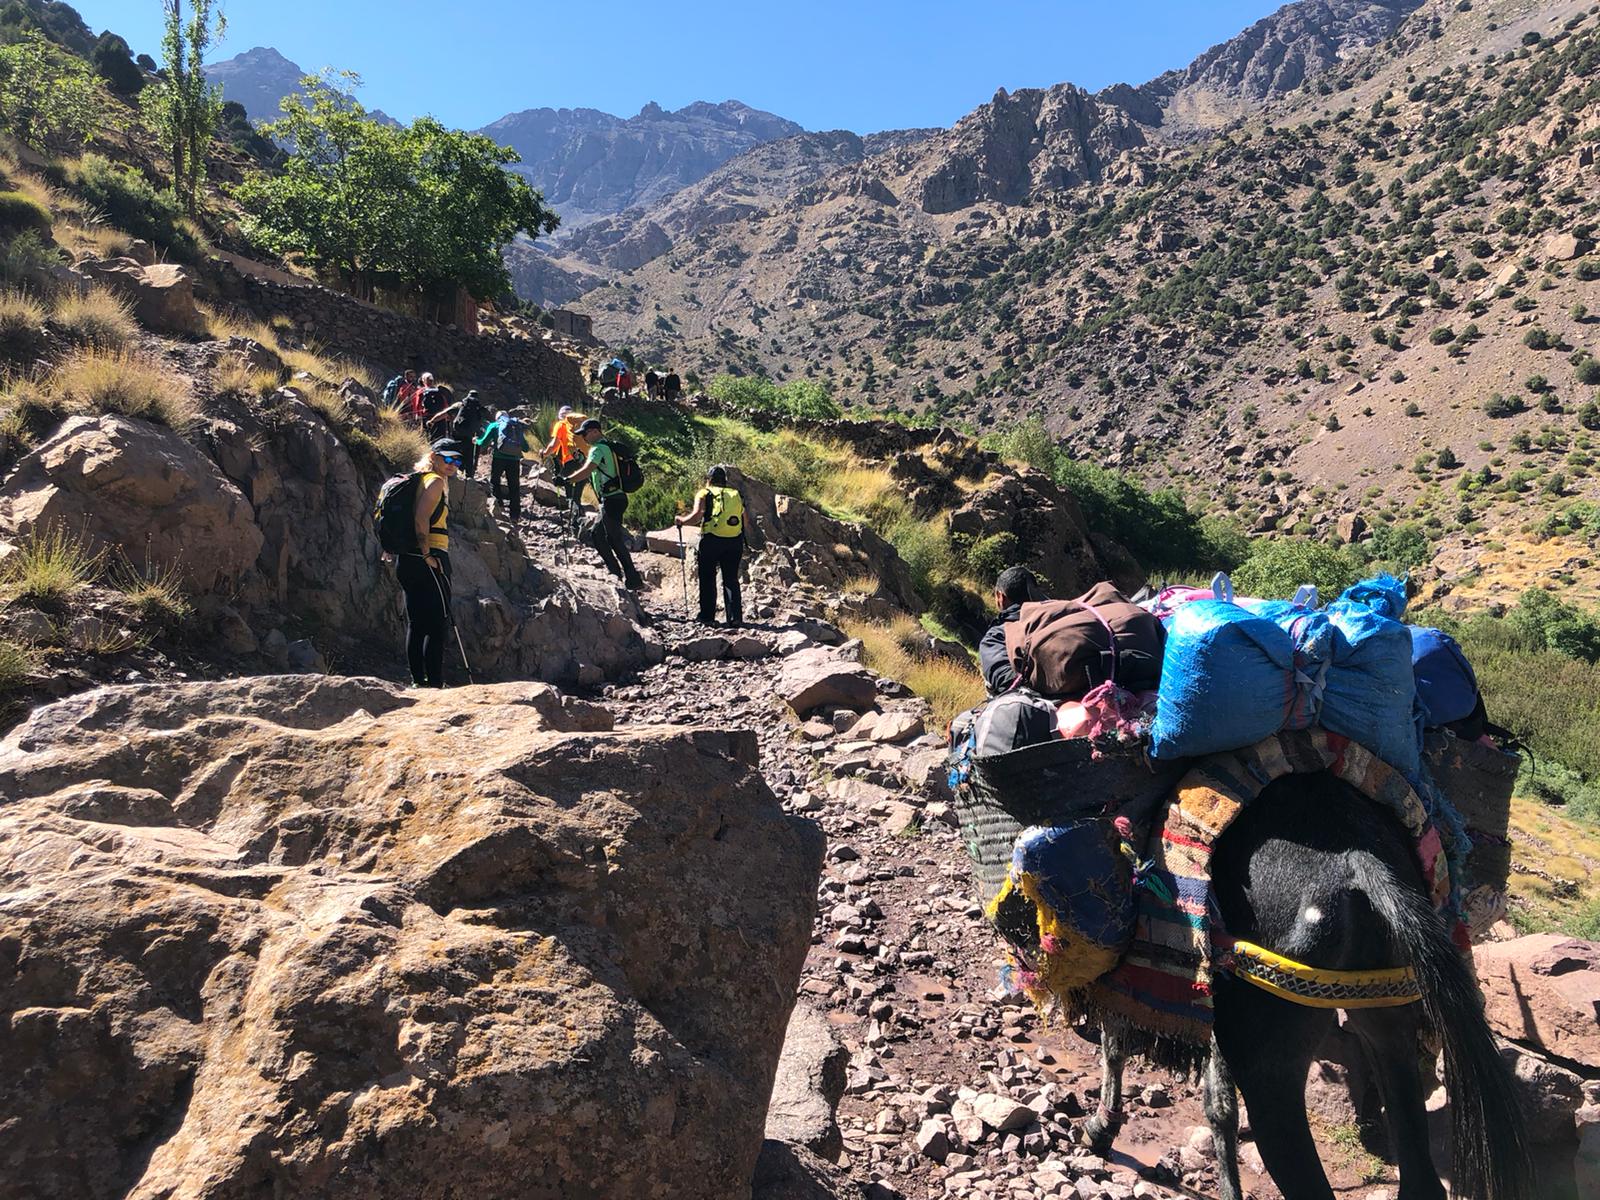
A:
(902, 963)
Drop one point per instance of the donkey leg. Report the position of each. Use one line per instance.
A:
(1389, 1038)
(1268, 1044)
(1100, 1129)
(1222, 1113)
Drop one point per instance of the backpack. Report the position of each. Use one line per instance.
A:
(1446, 683)
(391, 391)
(394, 513)
(630, 477)
(512, 440)
(1066, 648)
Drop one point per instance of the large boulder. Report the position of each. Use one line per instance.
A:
(138, 488)
(817, 678)
(1052, 538)
(1544, 990)
(809, 1085)
(161, 294)
(322, 937)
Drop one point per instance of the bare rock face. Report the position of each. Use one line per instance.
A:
(1544, 990)
(322, 937)
(138, 488)
(162, 294)
(1048, 525)
(816, 678)
(810, 1083)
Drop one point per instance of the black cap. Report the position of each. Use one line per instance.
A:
(591, 423)
(447, 446)
(717, 476)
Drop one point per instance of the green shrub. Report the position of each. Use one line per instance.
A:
(1538, 339)
(1589, 372)
(1503, 406)
(27, 258)
(802, 399)
(988, 556)
(1277, 567)
(1401, 548)
(128, 200)
(19, 213)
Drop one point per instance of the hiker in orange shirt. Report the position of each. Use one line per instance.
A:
(560, 447)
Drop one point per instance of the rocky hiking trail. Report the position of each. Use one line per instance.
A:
(905, 1061)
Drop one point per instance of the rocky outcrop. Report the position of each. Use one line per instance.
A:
(1022, 145)
(161, 295)
(1544, 990)
(808, 1086)
(1051, 535)
(819, 678)
(138, 489)
(322, 937)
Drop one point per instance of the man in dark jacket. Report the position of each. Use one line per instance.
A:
(1015, 587)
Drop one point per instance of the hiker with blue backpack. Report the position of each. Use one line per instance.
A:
(508, 435)
(613, 476)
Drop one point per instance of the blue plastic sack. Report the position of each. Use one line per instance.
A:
(1226, 679)
(1382, 594)
(1371, 694)
(1447, 687)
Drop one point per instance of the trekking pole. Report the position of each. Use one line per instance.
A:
(683, 568)
(450, 616)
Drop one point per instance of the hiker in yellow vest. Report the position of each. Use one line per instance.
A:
(719, 511)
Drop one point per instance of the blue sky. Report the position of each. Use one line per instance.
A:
(864, 66)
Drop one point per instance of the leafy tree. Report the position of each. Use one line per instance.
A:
(181, 107)
(423, 205)
(113, 62)
(48, 98)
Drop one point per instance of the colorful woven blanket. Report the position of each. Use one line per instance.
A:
(1163, 983)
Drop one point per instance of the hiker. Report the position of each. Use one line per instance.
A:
(397, 392)
(425, 573)
(652, 384)
(462, 421)
(1015, 587)
(510, 439)
(672, 387)
(560, 448)
(434, 400)
(601, 470)
(413, 409)
(719, 511)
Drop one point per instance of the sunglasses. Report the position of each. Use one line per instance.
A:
(453, 459)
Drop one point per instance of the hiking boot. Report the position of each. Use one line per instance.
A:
(635, 584)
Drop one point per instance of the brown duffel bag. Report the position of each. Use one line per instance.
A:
(1067, 648)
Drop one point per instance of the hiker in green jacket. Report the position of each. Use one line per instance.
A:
(509, 437)
(601, 471)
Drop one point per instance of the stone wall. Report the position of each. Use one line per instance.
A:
(504, 369)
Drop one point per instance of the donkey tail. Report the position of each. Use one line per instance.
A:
(1489, 1140)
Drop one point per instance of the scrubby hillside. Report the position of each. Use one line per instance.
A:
(1301, 318)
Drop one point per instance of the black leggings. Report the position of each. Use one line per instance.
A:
(427, 615)
(720, 553)
(508, 471)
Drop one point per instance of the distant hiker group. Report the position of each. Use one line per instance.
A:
(412, 510)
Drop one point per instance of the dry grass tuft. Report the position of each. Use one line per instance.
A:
(17, 663)
(233, 377)
(398, 444)
(49, 568)
(327, 402)
(899, 650)
(133, 385)
(99, 319)
(21, 326)
(156, 593)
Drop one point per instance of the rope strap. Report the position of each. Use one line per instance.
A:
(1317, 987)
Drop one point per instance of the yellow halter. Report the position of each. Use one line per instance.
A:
(1316, 987)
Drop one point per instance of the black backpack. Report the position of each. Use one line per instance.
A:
(630, 478)
(512, 439)
(393, 513)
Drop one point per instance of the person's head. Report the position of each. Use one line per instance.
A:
(564, 412)
(589, 431)
(444, 457)
(717, 476)
(427, 379)
(1016, 585)
(411, 375)
(502, 416)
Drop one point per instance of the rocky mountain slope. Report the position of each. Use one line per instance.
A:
(1314, 305)
(258, 78)
(591, 164)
